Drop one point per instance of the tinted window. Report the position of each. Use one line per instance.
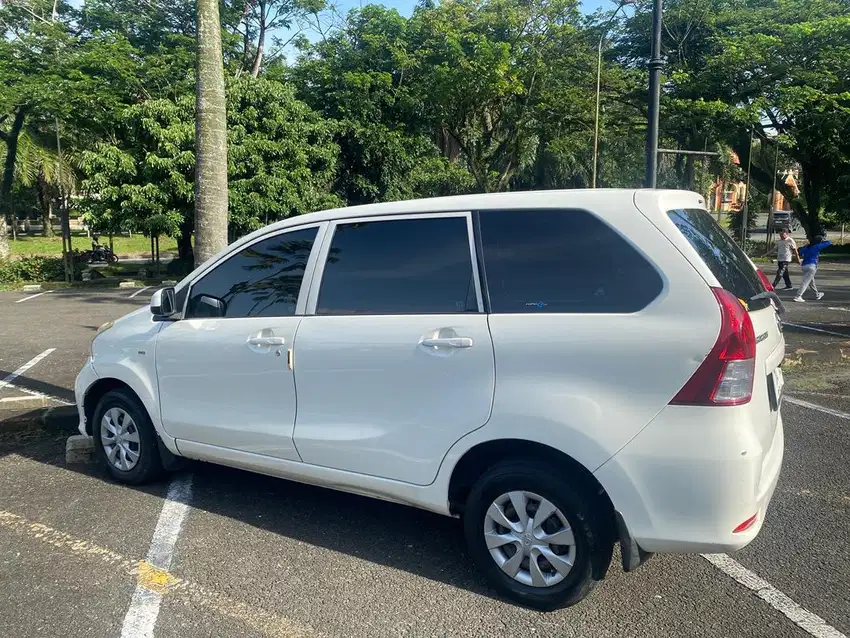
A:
(409, 266)
(562, 261)
(262, 280)
(720, 253)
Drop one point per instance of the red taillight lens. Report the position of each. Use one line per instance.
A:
(725, 377)
(764, 280)
(747, 524)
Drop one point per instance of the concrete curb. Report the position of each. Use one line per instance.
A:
(63, 418)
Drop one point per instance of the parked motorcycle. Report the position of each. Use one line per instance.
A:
(99, 253)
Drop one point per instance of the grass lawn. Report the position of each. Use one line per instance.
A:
(137, 244)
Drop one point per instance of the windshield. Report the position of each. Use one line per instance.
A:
(721, 254)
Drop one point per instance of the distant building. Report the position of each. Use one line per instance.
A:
(729, 195)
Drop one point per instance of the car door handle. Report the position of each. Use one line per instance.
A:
(448, 342)
(266, 341)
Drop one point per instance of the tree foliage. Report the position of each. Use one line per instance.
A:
(460, 96)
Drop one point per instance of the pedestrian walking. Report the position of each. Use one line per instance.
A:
(786, 250)
(811, 254)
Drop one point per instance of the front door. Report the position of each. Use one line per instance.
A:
(224, 370)
(396, 363)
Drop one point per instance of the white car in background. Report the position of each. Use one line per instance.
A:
(564, 370)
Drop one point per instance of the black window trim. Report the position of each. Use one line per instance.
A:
(327, 240)
(519, 210)
(309, 269)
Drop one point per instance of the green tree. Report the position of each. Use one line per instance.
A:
(281, 162)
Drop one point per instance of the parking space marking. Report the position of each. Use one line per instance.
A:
(811, 623)
(819, 408)
(9, 380)
(256, 619)
(33, 296)
(827, 332)
(151, 583)
(140, 291)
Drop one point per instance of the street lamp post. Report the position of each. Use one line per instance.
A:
(655, 64)
(602, 35)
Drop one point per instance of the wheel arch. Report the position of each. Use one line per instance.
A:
(96, 392)
(476, 460)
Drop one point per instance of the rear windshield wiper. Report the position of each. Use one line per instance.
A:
(780, 307)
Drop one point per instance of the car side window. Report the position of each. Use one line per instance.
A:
(399, 266)
(262, 280)
(562, 261)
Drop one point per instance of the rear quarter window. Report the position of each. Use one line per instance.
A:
(562, 261)
(721, 254)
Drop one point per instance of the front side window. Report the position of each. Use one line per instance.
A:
(562, 261)
(399, 266)
(262, 280)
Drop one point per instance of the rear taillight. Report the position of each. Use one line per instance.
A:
(764, 280)
(726, 375)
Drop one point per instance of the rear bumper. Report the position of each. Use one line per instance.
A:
(683, 485)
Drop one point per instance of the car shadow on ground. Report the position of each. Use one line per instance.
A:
(42, 387)
(118, 296)
(397, 536)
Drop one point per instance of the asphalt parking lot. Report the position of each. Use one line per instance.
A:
(258, 556)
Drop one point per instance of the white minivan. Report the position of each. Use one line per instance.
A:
(563, 370)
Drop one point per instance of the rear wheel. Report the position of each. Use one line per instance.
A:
(125, 438)
(539, 538)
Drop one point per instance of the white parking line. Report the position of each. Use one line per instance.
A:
(33, 296)
(811, 623)
(819, 408)
(140, 291)
(842, 309)
(8, 381)
(147, 598)
(828, 332)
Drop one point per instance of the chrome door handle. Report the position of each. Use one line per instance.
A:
(448, 342)
(266, 341)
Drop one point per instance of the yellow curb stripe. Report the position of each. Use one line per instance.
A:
(256, 619)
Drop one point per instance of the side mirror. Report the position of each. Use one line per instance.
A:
(163, 303)
(207, 307)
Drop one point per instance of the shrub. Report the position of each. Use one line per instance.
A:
(34, 269)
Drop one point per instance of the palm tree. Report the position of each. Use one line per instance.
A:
(43, 168)
(210, 137)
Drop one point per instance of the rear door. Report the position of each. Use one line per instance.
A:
(394, 361)
(712, 251)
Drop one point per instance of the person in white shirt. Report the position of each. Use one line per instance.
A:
(786, 250)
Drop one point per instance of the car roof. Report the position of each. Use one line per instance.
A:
(572, 198)
(618, 199)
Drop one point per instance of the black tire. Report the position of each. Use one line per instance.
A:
(148, 467)
(591, 527)
(112, 259)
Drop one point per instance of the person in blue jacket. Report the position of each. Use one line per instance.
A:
(810, 254)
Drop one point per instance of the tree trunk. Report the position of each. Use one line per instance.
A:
(45, 203)
(210, 137)
(184, 242)
(261, 42)
(8, 176)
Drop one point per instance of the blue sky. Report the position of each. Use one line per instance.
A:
(405, 7)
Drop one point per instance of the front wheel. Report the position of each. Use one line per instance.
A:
(125, 438)
(112, 258)
(539, 538)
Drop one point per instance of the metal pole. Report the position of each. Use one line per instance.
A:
(599, 89)
(596, 120)
(746, 207)
(769, 233)
(655, 64)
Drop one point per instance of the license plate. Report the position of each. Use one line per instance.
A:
(778, 385)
